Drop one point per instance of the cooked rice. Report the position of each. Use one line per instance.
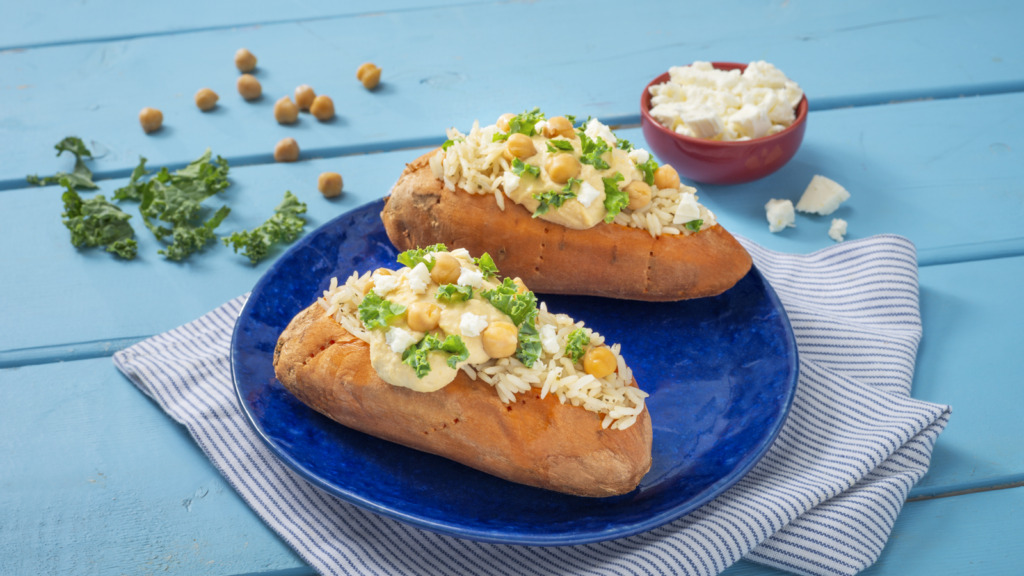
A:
(613, 396)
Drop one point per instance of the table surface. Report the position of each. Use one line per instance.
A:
(915, 108)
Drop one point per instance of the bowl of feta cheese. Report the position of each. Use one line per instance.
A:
(724, 122)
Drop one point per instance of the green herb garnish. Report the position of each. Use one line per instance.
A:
(418, 355)
(576, 344)
(486, 265)
(648, 169)
(283, 227)
(593, 149)
(623, 144)
(413, 257)
(96, 222)
(526, 123)
(507, 298)
(518, 167)
(377, 312)
(554, 197)
(529, 348)
(80, 177)
(449, 142)
(555, 146)
(694, 225)
(454, 293)
(614, 199)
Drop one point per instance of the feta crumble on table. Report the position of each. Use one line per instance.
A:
(837, 231)
(780, 214)
(822, 196)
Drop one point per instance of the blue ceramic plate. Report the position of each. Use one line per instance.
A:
(721, 373)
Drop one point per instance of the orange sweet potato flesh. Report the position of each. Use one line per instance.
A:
(539, 442)
(607, 260)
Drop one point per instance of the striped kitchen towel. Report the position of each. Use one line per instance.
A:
(823, 500)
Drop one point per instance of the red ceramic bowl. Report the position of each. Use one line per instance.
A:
(713, 162)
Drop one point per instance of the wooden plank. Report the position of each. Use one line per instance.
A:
(97, 480)
(434, 80)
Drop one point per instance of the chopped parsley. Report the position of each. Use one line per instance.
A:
(96, 222)
(486, 265)
(526, 123)
(507, 298)
(283, 227)
(418, 355)
(556, 145)
(377, 312)
(80, 177)
(576, 344)
(593, 149)
(413, 257)
(518, 167)
(623, 144)
(454, 293)
(694, 225)
(614, 199)
(554, 197)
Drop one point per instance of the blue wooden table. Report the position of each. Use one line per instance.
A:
(915, 108)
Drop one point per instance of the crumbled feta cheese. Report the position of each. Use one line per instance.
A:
(595, 129)
(703, 121)
(382, 284)
(419, 278)
(470, 278)
(780, 214)
(639, 155)
(688, 209)
(587, 194)
(750, 121)
(399, 339)
(837, 230)
(822, 196)
(472, 325)
(511, 182)
(549, 338)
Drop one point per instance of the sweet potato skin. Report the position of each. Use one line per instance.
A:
(607, 260)
(535, 441)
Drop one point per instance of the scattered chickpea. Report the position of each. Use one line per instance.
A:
(304, 96)
(287, 150)
(503, 121)
(206, 99)
(500, 339)
(559, 126)
(329, 184)
(285, 111)
(519, 146)
(561, 167)
(369, 74)
(446, 269)
(151, 119)
(245, 60)
(249, 87)
(599, 362)
(639, 194)
(423, 316)
(322, 108)
(666, 177)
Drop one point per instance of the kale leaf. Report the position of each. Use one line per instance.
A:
(283, 227)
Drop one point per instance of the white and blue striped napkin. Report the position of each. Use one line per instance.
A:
(822, 501)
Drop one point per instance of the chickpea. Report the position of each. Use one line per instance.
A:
(520, 285)
(206, 99)
(519, 146)
(423, 316)
(329, 184)
(287, 150)
(559, 126)
(599, 362)
(446, 269)
(304, 96)
(561, 167)
(151, 119)
(500, 339)
(245, 60)
(666, 177)
(249, 87)
(322, 108)
(369, 74)
(639, 194)
(285, 111)
(503, 121)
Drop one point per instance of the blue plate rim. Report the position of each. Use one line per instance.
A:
(494, 536)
